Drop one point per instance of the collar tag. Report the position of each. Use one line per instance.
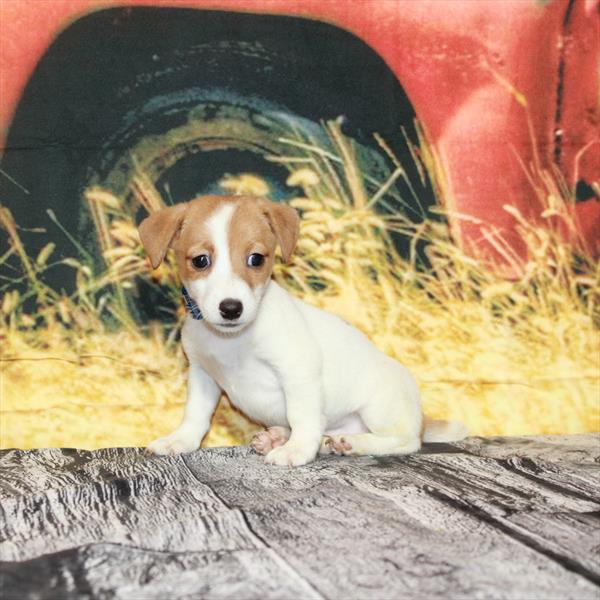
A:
(191, 306)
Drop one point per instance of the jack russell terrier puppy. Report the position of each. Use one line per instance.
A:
(317, 383)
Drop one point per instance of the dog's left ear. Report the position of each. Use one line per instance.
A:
(286, 224)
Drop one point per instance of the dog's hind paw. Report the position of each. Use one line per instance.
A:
(264, 441)
(338, 444)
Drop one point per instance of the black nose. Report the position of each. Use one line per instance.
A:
(231, 309)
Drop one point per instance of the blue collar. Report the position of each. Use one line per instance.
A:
(191, 306)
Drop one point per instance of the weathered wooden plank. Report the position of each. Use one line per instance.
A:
(573, 537)
(410, 483)
(566, 449)
(467, 520)
(115, 501)
(496, 490)
(129, 501)
(113, 571)
(578, 481)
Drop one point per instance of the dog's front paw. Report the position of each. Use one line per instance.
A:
(177, 442)
(289, 455)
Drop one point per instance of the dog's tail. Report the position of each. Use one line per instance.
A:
(444, 431)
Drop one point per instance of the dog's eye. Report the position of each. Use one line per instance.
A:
(255, 260)
(201, 262)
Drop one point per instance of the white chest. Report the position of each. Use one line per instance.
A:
(251, 384)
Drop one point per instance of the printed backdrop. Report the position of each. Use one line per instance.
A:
(439, 212)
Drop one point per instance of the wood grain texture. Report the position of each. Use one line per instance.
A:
(485, 518)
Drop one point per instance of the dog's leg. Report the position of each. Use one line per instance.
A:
(202, 397)
(273, 437)
(305, 416)
(392, 416)
(369, 443)
(350, 425)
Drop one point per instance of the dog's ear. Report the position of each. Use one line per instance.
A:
(158, 230)
(286, 225)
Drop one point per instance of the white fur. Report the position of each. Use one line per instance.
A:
(291, 365)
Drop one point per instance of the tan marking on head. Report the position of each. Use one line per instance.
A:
(257, 225)
(250, 232)
(194, 238)
(181, 227)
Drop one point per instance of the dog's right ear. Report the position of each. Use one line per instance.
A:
(158, 230)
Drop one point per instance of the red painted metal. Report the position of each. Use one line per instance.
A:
(500, 86)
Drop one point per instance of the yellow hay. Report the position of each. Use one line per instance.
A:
(505, 357)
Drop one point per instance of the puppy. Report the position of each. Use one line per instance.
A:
(317, 383)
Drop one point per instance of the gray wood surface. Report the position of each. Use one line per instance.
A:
(484, 518)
